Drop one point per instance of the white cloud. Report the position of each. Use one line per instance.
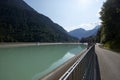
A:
(98, 13)
(86, 26)
(100, 0)
(97, 0)
(104, 0)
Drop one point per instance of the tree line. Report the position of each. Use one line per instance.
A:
(109, 33)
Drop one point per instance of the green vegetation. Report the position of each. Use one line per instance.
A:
(109, 34)
(88, 39)
(20, 23)
(114, 45)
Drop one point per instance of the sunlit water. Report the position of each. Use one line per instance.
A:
(32, 62)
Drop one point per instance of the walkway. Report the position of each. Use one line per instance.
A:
(109, 63)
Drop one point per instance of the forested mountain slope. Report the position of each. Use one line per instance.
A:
(21, 23)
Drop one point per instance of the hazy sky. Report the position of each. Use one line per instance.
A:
(70, 14)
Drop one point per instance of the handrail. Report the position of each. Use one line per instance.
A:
(72, 68)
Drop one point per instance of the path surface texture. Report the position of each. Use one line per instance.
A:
(109, 63)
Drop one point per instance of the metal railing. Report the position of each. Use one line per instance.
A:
(84, 68)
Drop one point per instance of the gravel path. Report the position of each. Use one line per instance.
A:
(109, 63)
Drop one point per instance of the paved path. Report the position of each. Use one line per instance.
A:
(109, 63)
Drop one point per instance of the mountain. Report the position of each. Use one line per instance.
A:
(21, 23)
(82, 33)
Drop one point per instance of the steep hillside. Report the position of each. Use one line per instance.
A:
(21, 23)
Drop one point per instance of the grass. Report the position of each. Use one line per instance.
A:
(113, 45)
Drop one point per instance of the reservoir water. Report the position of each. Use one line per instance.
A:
(32, 62)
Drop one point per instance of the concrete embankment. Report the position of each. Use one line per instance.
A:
(58, 72)
(18, 44)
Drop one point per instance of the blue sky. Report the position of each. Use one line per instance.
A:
(70, 14)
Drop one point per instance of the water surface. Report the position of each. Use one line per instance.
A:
(32, 62)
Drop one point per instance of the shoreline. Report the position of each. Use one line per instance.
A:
(19, 44)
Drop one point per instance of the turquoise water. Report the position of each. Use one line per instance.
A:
(32, 62)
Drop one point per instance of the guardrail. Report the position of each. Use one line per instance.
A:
(85, 68)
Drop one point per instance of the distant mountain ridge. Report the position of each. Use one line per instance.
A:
(82, 33)
(21, 23)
